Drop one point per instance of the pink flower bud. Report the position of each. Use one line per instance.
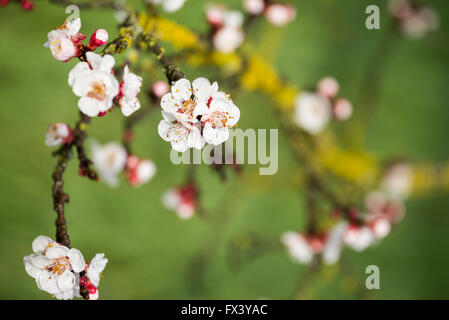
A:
(342, 109)
(254, 7)
(215, 15)
(27, 5)
(99, 38)
(4, 3)
(328, 87)
(160, 88)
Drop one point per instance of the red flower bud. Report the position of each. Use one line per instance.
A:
(27, 5)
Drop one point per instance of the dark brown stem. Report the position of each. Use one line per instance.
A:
(64, 154)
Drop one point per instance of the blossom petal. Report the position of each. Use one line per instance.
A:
(181, 89)
(48, 282)
(66, 281)
(76, 260)
(202, 89)
(168, 103)
(89, 106)
(96, 267)
(57, 252)
(40, 243)
(215, 136)
(297, 247)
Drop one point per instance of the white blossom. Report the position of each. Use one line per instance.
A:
(297, 246)
(228, 39)
(414, 21)
(63, 41)
(359, 237)
(312, 112)
(57, 134)
(55, 267)
(280, 14)
(94, 83)
(334, 243)
(110, 160)
(191, 107)
(129, 89)
(139, 171)
(222, 115)
(182, 200)
(170, 5)
(254, 7)
(181, 134)
(230, 35)
(398, 181)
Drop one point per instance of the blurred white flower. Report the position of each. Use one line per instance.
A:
(398, 181)
(182, 200)
(94, 83)
(160, 88)
(63, 42)
(228, 35)
(334, 243)
(312, 112)
(381, 205)
(280, 14)
(227, 39)
(302, 248)
(129, 89)
(380, 227)
(139, 171)
(297, 247)
(110, 160)
(415, 21)
(170, 5)
(328, 87)
(57, 134)
(254, 7)
(55, 267)
(342, 109)
(359, 237)
(215, 14)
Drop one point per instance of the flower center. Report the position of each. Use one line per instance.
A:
(98, 91)
(186, 107)
(220, 119)
(110, 159)
(56, 46)
(59, 266)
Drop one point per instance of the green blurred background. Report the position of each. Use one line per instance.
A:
(154, 255)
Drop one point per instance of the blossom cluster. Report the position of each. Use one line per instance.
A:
(384, 208)
(93, 80)
(414, 21)
(61, 271)
(227, 33)
(278, 14)
(314, 110)
(196, 113)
